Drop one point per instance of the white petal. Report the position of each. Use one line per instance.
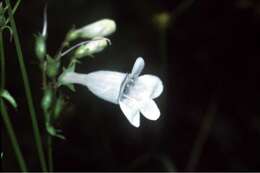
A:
(105, 84)
(100, 28)
(149, 85)
(138, 67)
(131, 111)
(150, 110)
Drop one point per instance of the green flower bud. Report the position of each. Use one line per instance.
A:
(40, 47)
(52, 67)
(47, 99)
(94, 46)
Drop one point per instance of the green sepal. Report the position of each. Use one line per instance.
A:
(71, 87)
(71, 35)
(53, 66)
(60, 82)
(54, 132)
(81, 52)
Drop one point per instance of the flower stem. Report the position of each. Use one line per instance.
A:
(47, 120)
(163, 50)
(50, 155)
(12, 136)
(202, 137)
(2, 58)
(164, 62)
(4, 112)
(36, 130)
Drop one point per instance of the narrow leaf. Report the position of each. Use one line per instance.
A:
(6, 95)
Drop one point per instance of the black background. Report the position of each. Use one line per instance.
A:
(211, 70)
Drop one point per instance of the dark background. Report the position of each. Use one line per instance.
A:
(208, 59)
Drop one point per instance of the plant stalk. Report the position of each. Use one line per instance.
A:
(202, 137)
(36, 130)
(12, 136)
(4, 112)
(50, 154)
(47, 119)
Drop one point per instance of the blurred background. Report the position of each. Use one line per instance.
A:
(207, 55)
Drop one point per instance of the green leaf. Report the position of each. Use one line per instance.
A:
(6, 95)
(71, 68)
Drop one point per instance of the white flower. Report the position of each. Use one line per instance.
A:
(101, 28)
(132, 92)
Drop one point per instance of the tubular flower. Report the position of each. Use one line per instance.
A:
(132, 92)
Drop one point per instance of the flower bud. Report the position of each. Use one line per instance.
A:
(94, 46)
(52, 67)
(47, 99)
(100, 28)
(40, 47)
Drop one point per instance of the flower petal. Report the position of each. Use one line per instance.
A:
(100, 28)
(138, 67)
(150, 110)
(131, 110)
(149, 85)
(104, 84)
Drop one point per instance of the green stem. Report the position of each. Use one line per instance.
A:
(2, 60)
(47, 119)
(4, 112)
(201, 138)
(12, 136)
(50, 155)
(164, 61)
(36, 130)
(163, 49)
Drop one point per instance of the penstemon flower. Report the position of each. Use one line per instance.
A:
(132, 92)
